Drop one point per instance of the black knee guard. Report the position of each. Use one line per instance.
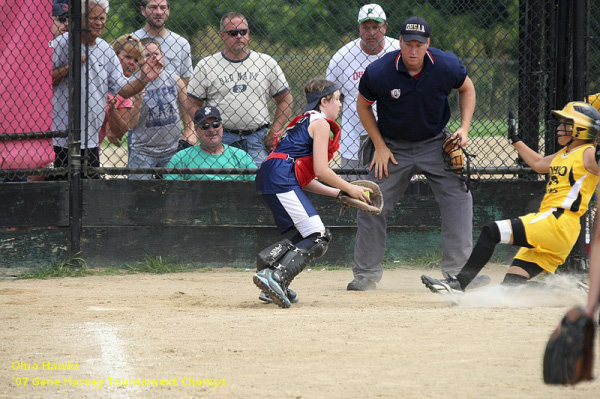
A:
(271, 254)
(296, 259)
(316, 244)
(513, 280)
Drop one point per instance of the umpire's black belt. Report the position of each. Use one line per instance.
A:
(247, 132)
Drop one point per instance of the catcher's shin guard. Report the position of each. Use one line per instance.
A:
(295, 260)
(271, 254)
(275, 281)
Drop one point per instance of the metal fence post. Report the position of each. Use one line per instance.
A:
(530, 71)
(577, 260)
(74, 140)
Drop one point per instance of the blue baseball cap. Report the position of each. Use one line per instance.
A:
(60, 8)
(205, 112)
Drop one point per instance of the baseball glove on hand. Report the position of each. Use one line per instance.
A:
(569, 353)
(453, 154)
(456, 159)
(376, 205)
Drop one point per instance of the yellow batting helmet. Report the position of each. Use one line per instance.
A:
(594, 100)
(584, 118)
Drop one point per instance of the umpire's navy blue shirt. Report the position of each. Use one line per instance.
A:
(408, 108)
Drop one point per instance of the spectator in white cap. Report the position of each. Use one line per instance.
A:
(347, 66)
(210, 152)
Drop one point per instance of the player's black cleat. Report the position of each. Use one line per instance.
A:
(583, 286)
(449, 287)
(291, 294)
(267, 281)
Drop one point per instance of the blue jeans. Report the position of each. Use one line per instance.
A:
(137, 160)
(253, 144)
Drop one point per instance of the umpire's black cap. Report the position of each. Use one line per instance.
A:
(415, 28)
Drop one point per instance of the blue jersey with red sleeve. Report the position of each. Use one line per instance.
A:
(277, 175)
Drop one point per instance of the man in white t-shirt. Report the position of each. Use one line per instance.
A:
(240, 82)
(347, 66)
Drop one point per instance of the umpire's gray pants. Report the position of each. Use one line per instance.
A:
(456, 207)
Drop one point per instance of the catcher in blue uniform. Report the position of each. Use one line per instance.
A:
(303, 151)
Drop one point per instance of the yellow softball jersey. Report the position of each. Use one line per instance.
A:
(551, 231)
(570, 186)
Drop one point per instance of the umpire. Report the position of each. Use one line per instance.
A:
(411, 88)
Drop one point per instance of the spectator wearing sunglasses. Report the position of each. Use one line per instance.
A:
(60, 17)
(240, 82)
(154, 140)
(210, 152)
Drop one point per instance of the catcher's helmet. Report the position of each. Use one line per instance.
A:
(584, 118)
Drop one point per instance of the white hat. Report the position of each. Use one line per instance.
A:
(371, 11)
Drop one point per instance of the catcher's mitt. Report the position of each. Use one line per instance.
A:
(569, 353)
(453, 154)
(374, 207)
(457, 160)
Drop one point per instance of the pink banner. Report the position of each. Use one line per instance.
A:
(25, 81)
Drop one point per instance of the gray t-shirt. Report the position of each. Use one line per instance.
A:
(159, 127)
(105, 74)
(176, 50)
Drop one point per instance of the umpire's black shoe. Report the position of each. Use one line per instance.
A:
(361, 284)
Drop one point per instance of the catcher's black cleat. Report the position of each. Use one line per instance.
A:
(291, 294)
(267, 281)
(449, 287)
(361, 284)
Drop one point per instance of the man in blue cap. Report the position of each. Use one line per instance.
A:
(411, 89)
(60, 17)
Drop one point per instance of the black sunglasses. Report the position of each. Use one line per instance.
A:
(62, 19)
(206, 126)
(234, 33)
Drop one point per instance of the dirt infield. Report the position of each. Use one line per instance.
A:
(204, 334)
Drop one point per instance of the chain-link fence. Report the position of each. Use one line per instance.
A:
(594, 48)
(138, 121)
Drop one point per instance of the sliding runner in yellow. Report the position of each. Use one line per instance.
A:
(547, 236)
